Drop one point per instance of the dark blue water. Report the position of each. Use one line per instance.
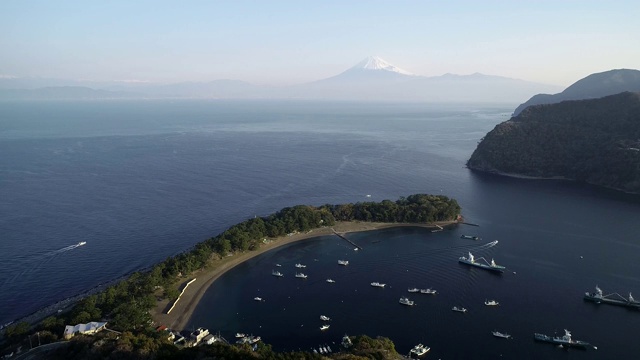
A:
(140, 181)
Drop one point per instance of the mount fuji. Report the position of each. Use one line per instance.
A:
(372, 79)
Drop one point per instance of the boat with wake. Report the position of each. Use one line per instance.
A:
(459, 309)
(491, 266)
(406, 301)
(377, 284)
(612, 299)
(419, 350)
(501, 335)
(565, 340)
(82, 243)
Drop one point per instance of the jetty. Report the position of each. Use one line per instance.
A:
(340, 235)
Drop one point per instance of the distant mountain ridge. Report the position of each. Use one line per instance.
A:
(596, 141)
(591, 87)
(372, 79)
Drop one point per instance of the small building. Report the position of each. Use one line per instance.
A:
(84, 329)
(210, 339)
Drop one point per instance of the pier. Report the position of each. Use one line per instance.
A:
(344, 238)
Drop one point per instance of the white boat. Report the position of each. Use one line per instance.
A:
(82, 243)
(278, 265)
(377, 284)
(414, 290)
(329, 348)
(346, 341)
(406, 301)
(428, 291)
(240, 335)
(325, 318)
(301, 275)
(459, 309)
(257, 298)
(343, 262)
(491, 303)
(277, 273)
(330, 281)
(491, 266)
(324, 327)
(501, 335)
(300, 266)
(420, 350)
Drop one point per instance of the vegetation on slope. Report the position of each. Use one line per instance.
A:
(126, 305)
(594, 141)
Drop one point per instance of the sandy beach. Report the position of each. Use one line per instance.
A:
(181, 313)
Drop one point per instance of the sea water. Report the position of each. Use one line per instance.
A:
(140, 181)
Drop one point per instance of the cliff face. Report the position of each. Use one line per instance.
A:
(591, 87)
(595, 141)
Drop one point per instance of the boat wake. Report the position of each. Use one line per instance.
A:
(67, 248)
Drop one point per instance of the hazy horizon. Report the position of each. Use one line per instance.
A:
(292, 42)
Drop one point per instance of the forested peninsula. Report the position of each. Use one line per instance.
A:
(126, 306)
(594, 141)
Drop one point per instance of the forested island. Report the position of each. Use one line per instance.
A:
(126, 306)
(594, 141)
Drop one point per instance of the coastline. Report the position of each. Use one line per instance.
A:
(183, 310)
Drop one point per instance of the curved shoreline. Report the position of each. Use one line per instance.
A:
(181, 314)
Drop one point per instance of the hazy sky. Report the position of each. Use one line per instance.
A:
(284, 42)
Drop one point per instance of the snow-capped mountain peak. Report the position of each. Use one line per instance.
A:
(376, 63)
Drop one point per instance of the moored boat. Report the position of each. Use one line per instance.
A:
(406, 301)
(346, 341)
(240, 335)
(419, 350)
(491, 266)
(501, 335)
(565, 340)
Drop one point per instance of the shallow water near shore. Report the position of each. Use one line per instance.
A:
(139, 181)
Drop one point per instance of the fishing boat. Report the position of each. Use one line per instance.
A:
(414, 290)
(501, 335)
(257, 298)
(564, 340)
(428, 291)
(277, 273)
(491, 303)
(325, 318)
(330, 281)
(300, 266)
(377, 284)
(491, 266)
(406, 301)
(459, 309)
(301, 275)
(420, 350)
(324, 327)
(343, 262)
(240, 335)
